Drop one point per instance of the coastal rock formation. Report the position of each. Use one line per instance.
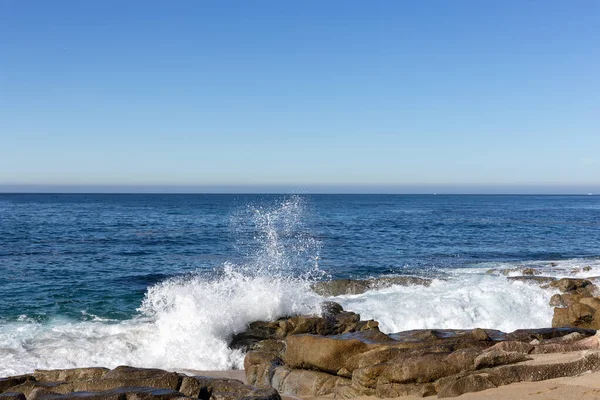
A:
(126, 383)
(332, 321)
(421, 362)
(339, 287)
(577, 305)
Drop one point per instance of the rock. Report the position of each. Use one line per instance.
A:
(260, 366)
(128, 383)
(577, 315)
(257, 331)
(28, 387)
(339, 287)
(333, 321)
(133, 393)
(592, 302)
(526, 335)
(308, 383)
(530, 271)
(371, 357)
(12, 396)
(513, 346)
(417, 369)
(538, 280)
(452, 387)
(203, 387)
(57, 375)
(564, 300)
(326, 354)
(572, 285)
(499, 357)
(7, 383)
(124, 376)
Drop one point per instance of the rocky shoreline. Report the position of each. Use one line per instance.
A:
(337, 354)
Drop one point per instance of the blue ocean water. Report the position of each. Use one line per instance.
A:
(95, 269)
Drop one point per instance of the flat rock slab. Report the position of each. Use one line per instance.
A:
(126, 383)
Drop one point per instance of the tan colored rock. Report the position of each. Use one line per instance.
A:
(452, 387)
(371, 357)
(578, 315)
(125, 376)
(592, 302)
(299, 382)
(572, 285)
(499, 357)
(57, 375)
(418, 369)
(327, 354)
(512, 346)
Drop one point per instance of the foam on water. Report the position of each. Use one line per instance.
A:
(480, 297)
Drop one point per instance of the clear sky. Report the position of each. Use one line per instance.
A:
(300, 95)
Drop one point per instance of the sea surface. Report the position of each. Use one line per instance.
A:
(166, 280)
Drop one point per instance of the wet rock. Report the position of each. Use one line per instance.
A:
(333, 321)
(572, 285)
(538, 280)
(339, 287)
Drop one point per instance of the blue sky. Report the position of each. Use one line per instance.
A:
(311, 95)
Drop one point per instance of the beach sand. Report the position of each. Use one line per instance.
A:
(583, 387)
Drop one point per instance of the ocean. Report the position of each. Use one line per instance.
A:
(166, 280)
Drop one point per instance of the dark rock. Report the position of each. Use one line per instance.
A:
(7, 383)
(527, 335)
(12, 396)
(206, 388)
(126, 393)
